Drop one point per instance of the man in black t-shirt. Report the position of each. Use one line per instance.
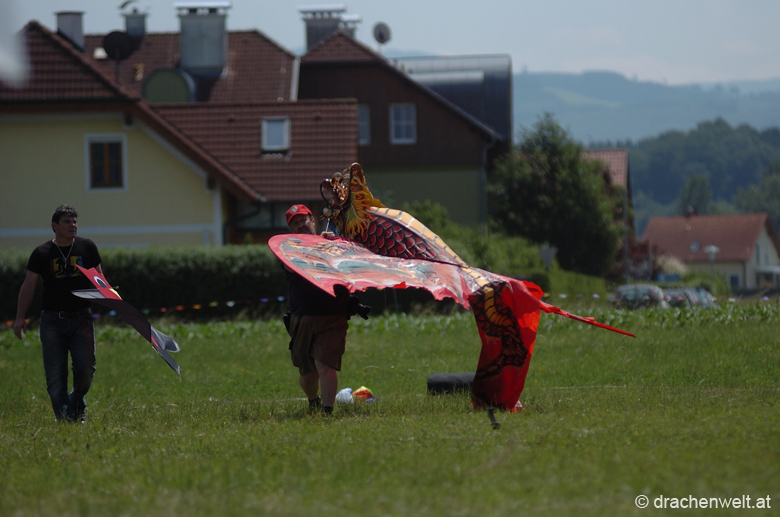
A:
(317, 326)
(66, 320)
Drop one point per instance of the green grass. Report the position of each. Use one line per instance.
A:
(689, 407)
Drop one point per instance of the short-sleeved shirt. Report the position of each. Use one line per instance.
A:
(306, 298)
(60, 277)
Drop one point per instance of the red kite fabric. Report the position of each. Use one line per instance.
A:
(107, 296)
(390, 248)
(507, 310)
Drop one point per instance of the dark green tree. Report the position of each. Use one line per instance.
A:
(732, 158)
(764, 197)
(696, 195)
(545, 191)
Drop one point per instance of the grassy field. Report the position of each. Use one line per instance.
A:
(688, 408)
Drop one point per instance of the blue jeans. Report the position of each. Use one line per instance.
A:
(59, 336)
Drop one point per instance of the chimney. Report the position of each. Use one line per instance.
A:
(349, 23)
(203, 42)
(135, 26)
(70, 25)
(321, 21)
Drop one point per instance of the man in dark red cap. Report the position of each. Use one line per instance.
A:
(317, 325)
(301, 220)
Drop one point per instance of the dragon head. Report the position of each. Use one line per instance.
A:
(348, 199)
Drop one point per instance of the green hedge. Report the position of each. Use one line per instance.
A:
(165, 277)
(252, 279)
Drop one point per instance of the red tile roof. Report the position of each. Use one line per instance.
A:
(323, 140)
(257, 69)
(340, 47)
(59, 72)
(616, 161)
(687, 237)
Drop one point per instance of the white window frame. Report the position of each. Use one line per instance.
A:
(274, 147)
(364, 124)
(105, 138)
(403, 123)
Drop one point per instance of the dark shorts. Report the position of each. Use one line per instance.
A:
(320, 338)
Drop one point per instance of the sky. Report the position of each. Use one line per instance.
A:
(665, 41)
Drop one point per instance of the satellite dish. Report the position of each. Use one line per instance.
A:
(169, 85)
(381, 33)
(118, 45)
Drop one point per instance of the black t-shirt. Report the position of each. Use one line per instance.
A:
(61, 277)
(306, 298)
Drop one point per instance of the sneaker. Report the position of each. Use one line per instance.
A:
(315, 404)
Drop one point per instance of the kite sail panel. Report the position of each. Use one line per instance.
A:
(385, 248)
(105, 295)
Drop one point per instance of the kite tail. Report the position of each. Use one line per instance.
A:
(552, 309)
(507, 316)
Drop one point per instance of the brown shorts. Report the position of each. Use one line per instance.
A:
(317, 337)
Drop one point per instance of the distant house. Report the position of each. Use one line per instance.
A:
(617, 173)
(207, 136)
(414, 143)
(745, 248)
(144, 173)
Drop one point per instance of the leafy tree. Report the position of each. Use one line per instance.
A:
(764, 197)
(696, 195)
(731, 157)
(433, 215)
(513, 256)
(545, 191)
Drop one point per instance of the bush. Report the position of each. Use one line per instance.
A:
(509, 256)
(159, 277)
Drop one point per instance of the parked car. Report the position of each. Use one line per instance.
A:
(703, 297)
(640, 296)
(681, 297)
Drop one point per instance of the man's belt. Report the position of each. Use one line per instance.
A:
(71, 314)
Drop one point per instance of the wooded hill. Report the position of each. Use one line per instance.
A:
(607, 106)
(714, 168)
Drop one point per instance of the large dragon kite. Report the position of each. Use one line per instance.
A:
(385, 248)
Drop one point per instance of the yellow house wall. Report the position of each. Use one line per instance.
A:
(457, 189)
(723, 268)
(765, 255)
(43, 163)
(746, 271)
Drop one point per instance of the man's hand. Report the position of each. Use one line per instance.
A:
(20, 327)
(355, 307)
(363, 310)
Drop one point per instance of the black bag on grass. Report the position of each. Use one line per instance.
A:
(449, 382)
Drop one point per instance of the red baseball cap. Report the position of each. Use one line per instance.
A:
(297, 210)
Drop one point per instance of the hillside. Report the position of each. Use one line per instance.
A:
(608, 107)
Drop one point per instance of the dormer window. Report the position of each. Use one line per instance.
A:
(275, 135)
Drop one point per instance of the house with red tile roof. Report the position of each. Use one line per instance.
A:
(743, 247)
(143, 173)
(415, 144)
(256, 69)
(616, 161)
(617, 173)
